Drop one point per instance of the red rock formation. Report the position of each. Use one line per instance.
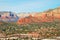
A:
(25, 20)
(47, 16)
(33, 19)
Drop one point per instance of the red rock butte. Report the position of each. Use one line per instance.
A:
(47, 16)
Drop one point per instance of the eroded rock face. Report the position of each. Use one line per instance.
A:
(47, 16)
(8, 17)
(34, 19)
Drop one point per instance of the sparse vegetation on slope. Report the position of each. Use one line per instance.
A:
(44, 29)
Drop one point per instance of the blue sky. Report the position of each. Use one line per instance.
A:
(28, 5)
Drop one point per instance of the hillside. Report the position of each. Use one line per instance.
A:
(47, 16)
(44, 29)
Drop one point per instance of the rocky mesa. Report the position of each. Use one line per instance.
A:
(46, 16)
